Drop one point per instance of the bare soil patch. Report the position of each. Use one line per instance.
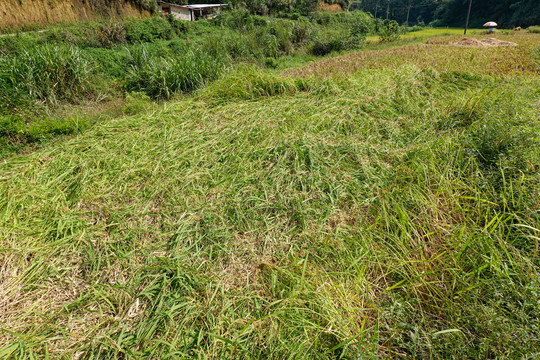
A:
(488, 42)
(329, 7)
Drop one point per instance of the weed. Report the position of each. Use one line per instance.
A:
(161, 77)
(46, 74)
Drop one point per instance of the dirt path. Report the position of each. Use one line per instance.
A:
(25, 32)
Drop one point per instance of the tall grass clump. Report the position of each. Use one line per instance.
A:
(44, 75)
(161, 77)
(238, 46)
(348, 33)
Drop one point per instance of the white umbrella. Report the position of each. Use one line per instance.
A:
(490, 24)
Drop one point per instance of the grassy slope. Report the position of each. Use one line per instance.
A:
(358, 216)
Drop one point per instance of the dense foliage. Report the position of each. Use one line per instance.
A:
(274, 7)
(507, 13)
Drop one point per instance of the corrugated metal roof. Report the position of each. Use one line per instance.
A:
(201, 6)
(194, 6)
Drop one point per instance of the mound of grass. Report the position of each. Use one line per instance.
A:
(249, 83)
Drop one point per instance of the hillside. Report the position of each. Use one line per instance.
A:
(17, 13)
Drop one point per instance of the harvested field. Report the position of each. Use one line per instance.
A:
(489, 42)
(484, 60)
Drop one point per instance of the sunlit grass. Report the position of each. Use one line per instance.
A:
(428, 33)
(388, 212)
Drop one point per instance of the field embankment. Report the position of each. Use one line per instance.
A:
(392, 213)
(16, 13)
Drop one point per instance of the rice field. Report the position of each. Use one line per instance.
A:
(429, 33)
(437, 54)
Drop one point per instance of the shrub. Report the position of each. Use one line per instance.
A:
(46, 74)
(414, 28)
(149, 30)
(301, 32)
(534, 29)
(161, 77)
(323, 45)
(179, 26)
(388, 30)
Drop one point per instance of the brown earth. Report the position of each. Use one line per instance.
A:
(488, 42)
(16, 13)
(329, 7)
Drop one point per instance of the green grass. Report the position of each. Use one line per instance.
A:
(391, 213)
(425, 34)
(379, 204)
(534, 29)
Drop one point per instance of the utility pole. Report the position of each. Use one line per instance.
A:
(408, 12)
(468, 16)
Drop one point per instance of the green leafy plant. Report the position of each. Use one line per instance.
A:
(46, 74)
(161, 77)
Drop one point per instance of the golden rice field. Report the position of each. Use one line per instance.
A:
(438, 55)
